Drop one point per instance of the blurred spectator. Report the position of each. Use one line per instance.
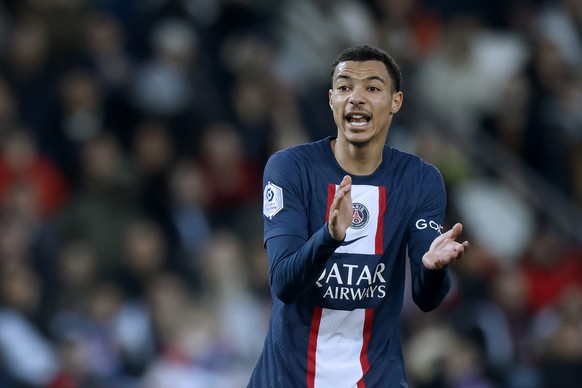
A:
(81, 117)
(27, 66)
(499, 219)
(311, 35)
(464, 367)
(553, 130)
(232, 176)
(408, 29)
(22, 164)
(75, 275)
(144, 254)
(426, 350)
(152, 153)
(189, 196)
(106, 196)
(469, 67)
(266, 123)
(162, 86)
(74, 371)
(561, 341)
(8, 106)
(153, 148)
(435, 147)
(95, 335)
(267, 119)
(106, 51)
(17, 240)
(190, 352)
(560, 22)
(253, 96)
(550, 266)
(28, 356)
(508, 121)
(167, 295)
(174, 84)
(239, 310)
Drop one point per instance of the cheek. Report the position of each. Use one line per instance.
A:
(336, 106)
(384, 115)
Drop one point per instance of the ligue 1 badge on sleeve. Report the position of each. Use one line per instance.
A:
(272, 200)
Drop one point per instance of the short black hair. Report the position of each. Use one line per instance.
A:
(364, 52)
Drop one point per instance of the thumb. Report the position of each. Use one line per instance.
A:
(455, 231)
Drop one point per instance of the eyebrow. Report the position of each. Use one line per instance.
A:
(370, 78)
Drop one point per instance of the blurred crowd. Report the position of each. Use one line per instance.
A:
(133, 134)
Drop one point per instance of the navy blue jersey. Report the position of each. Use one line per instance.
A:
(336, 305)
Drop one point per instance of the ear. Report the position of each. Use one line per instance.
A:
(329, 96)
(397, 99)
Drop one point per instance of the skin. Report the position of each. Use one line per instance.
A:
(366, 89)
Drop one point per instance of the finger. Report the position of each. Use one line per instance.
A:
(455, 231)
(460, 249)
(346, 181)
(346, 189)
(339, 196)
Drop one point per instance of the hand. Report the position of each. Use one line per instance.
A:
(444, 250)
(340, 211)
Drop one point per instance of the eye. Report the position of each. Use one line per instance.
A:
(343, 88)
(374, 89)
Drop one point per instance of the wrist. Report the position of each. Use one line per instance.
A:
(334, 236)
(328, 239)
(431, 263)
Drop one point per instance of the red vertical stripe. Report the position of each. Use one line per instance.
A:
(330, 194)
(381, 213)
(315, 322)
(366, 338)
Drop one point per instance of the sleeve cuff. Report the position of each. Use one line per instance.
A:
(329, 241)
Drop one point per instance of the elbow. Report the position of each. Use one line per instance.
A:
(426, 306)
(284, 294)
(429, 303)
(287, 299)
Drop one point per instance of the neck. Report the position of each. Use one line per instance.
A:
(355, 159)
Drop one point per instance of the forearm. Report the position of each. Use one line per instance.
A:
(296, 263)
(429, 287)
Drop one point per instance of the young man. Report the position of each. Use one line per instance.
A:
(337, 251)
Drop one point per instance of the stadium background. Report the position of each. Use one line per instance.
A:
(132, 139)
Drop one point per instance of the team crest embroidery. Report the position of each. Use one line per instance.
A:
(272, 200)
(360, 217)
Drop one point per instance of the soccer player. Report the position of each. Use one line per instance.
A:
(341, 215)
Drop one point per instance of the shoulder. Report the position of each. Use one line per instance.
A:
(301, 154)
(411, 164)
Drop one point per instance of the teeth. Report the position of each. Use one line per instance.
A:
(357, 119)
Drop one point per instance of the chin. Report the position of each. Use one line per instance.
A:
(358, 139)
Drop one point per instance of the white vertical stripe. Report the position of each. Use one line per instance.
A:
(339, 344)
(369, 197)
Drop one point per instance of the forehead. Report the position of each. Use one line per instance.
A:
(362, 70)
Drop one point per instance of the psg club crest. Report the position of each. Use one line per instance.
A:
(360, 217)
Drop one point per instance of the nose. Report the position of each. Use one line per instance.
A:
(357, 97)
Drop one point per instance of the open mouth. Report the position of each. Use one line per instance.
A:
(358, 118)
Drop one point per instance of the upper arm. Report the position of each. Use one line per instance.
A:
(284, 211)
